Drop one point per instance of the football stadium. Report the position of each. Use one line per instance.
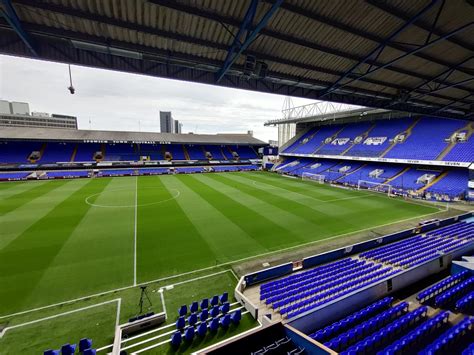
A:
(353, 234)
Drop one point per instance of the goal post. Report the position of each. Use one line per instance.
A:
(374, 186)
(313, 177)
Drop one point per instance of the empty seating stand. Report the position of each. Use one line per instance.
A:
(296, 294)
(446, 343)
(383, 329)
(204, 316)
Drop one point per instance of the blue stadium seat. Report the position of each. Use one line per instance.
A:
(192, 319)
(51, 352)
(180, 323)
(68, 349)
(176, 339)
(204, 315)
(225, 321)
(89, 352)
(223, 298)
(225, 308)
(183, 310)
(214, 300)
(189, 334)
(214, 325)
(193, 308)
(85, 344)
(204, 304)
(214, 312)
(202, 329)
(236, 316)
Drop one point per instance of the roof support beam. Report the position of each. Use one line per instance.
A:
(9, 13)
(237, 43)
(444, 75)
(404, 47)
(32, 4)
(237, 46)
(378, 49)
(452, 103)
(465, 81)
(392, 10)
(200, 12)
(335, 86)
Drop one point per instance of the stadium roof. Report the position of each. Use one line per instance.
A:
(90, 135)
(408, 55)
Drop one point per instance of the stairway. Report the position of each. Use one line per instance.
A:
(222, 153)
(470, 130)
(399, 174)
(43, 148)
(231, 152)
(74, 153)
(204, 151)
(163, 152)
(186, 154)
(408, 134)
(364, 136)
(435, 180)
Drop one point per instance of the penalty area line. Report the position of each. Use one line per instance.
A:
(117, 318)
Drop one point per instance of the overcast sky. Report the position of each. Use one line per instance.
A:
(122, 101)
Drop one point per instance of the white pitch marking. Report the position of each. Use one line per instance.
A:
(162, 295)
(175, 196)
(161, 343)
(118, 300)
(135, 236)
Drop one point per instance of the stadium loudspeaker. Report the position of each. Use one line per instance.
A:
(249, 66)
(261, 69)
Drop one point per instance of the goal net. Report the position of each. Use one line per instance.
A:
(313, 177)
(374, 186)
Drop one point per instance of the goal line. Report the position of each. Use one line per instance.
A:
(313, 177)
(374, 186)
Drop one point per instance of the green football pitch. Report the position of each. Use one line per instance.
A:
(66, 239)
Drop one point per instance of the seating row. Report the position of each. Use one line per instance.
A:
(352, 320)
(387, 334)
(311, 304)
(466, 304)
(203, 304)
(327, 293)
(346, 339)
(442, 286)
(411, 341)
(85, 347)
(444, 343)
(203, 315)
(450, 296)
(203, 327)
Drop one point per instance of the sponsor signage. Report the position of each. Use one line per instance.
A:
(385, 160)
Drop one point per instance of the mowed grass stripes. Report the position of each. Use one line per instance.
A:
(66, 239)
